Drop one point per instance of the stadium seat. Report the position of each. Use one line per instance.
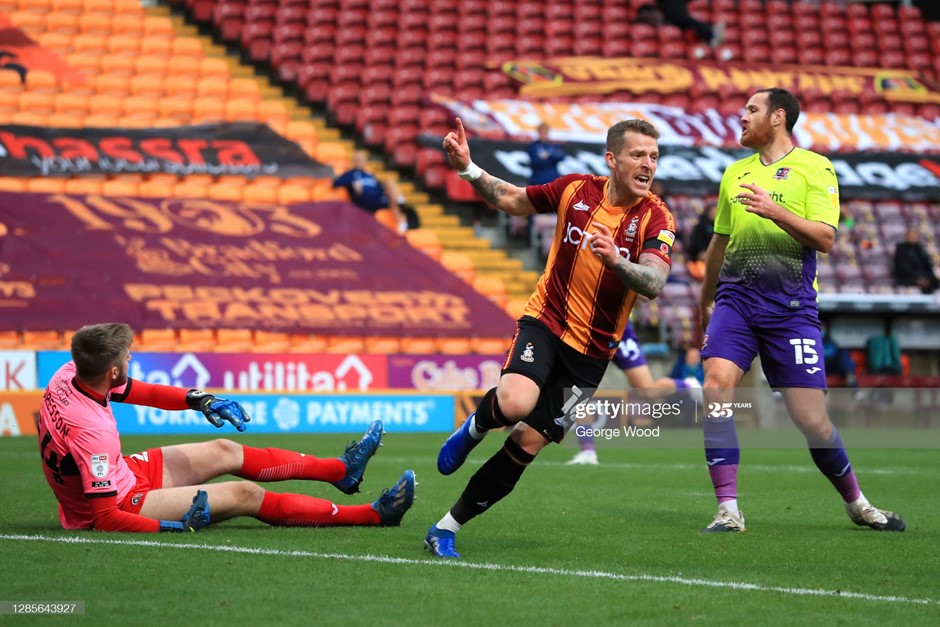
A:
(197, 340)
(42, 340)
(426, 241)
(234, 340)
(489, 345)
(346, 344)
(270, 341)
(418, 345)
(459, 264)
(158, 340)
(453, 345)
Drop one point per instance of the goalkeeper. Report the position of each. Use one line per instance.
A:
(165, 489)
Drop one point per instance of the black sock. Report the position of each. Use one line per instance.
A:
(494, 480)
(488, 415)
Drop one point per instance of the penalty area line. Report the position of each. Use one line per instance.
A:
(439, 563)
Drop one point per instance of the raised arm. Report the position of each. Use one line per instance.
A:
(504, 196)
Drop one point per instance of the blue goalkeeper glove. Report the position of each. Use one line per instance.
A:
(195, 519)
(218, 410)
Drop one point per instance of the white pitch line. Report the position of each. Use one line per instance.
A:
(745, 467)
(439, 563)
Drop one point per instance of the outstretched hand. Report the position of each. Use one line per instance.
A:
(758, 201)
(456, 147)
(218, 411)
(603, 245)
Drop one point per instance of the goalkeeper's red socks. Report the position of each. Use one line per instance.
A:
(275, 464)
(300, 510)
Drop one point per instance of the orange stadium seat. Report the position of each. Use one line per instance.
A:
(345, 344)
(244, 88)
(10, 340)
(156, 46)
(188, 189)
(387, 218)
(187, 48)
(271, 342)
(241, 109)
(84, 185)
(197, 340)
(181, 86)
(234, 340)
(42, 81)
(128, 24)
(213, 66)
(489, 345)
(151, 64)
(259, 194)
(288, 194)
(121, 44)
(218, 191)
(36, 102)
(119, 187)
(117, 65)
(140, 107)
(94, 24)
(70, 104)
(383, 345)
(515, 307)
(31, 23)
(419, 345)
(28, 118)
(453, 345)
(42, 340)
(59, 43)
(61, 24)
(46, 185)
(176, 108)
(158, 27)
(213, 87)
(304, 343)
(148, 86)
(73, 7)
(158, 340)
(12, 184)
(208, 110)
(460, 264)
(493, 288)
(426, 241)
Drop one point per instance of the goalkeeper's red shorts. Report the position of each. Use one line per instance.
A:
(148, 469)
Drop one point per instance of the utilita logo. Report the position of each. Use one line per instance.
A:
(291, 376)
(277, 373)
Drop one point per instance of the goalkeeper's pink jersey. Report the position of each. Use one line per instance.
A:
(81, 448)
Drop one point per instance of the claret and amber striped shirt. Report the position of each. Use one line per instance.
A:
(578, 298)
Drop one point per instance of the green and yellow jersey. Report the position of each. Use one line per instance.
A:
(764, 264)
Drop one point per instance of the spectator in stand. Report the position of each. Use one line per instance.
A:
(676, 12)
(699, 240)
(365, 190)
(544, 157)
(649, 14)
(912, 264)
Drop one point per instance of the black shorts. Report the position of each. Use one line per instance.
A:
(556, 368)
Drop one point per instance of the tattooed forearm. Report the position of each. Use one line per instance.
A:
(646, 278)
(491, 188)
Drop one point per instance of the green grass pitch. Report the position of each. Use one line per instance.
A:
(612, 544)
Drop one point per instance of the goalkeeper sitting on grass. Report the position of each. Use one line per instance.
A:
(165, 489)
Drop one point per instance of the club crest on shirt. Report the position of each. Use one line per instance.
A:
(580, 206)
(528, 355)
(99, 465)
(630, 231)
(782, 174)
